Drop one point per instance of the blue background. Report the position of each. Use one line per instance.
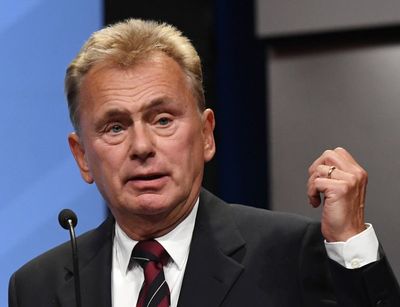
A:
(38, 174)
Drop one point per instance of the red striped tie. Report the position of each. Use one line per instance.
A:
(152, 256)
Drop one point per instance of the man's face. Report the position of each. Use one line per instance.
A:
(142, 138)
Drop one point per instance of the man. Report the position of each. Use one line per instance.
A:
(143, 134)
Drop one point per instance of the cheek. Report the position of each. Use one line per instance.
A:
(104, 161)
(187, 152)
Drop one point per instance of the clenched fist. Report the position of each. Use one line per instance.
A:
(343, 183)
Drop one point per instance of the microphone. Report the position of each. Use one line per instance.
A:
(68, 220)
(64, 216)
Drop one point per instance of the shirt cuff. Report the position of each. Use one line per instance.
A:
(357, 251)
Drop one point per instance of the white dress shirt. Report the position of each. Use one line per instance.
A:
(356, 252)
(126, 284)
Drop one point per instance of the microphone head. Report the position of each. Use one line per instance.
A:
(64, 216)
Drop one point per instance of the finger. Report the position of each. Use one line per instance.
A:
(324, 186)
(331, 158)
(319, 182)
(328, 157)
(314, 165)
(330, 187)
(313, 193)
(314, 197)
(345, 154)
(331, 172)
(354, 168)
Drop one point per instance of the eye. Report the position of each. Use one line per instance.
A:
(115, 128)
(164, 121)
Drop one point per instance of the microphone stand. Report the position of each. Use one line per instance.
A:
(75, 263)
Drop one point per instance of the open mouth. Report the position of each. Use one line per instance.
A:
(147, 177)
(154, 181)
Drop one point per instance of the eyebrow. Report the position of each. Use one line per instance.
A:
(160, 101)
(160, 105)
(114, 113)
(117, 113)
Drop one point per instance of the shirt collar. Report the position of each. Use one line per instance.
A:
(176, 242)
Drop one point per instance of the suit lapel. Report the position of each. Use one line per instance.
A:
(95, 257)
(210, 273)
(212, 269)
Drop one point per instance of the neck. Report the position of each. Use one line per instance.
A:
(143, 227)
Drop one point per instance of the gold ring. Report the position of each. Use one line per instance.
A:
(331, 169)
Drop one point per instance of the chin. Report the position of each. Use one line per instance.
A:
(149, 205)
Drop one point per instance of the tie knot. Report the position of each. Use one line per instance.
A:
(149, 250)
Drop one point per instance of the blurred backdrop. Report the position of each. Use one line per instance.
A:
(38, 174)
(286, 79)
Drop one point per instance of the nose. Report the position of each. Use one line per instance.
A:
(142, 146)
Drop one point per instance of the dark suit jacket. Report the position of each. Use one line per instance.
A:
(239, 256)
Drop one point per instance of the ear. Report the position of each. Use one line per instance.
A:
(78, 151)
(208, 134)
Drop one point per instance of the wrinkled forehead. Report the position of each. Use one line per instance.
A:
(156, 59)
(155, 79)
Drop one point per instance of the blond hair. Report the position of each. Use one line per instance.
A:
(124, 44)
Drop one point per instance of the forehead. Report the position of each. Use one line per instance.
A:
(156, 64)
(158, 74)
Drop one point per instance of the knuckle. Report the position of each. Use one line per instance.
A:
(329, 157)
(327, 152)
(352, 182)
(318, 170)
(362, 174)
(345, 189)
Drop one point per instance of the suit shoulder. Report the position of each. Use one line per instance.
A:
(259, 214)
(56, 258)
(40, 279)
(256, 220)
(280, 224)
